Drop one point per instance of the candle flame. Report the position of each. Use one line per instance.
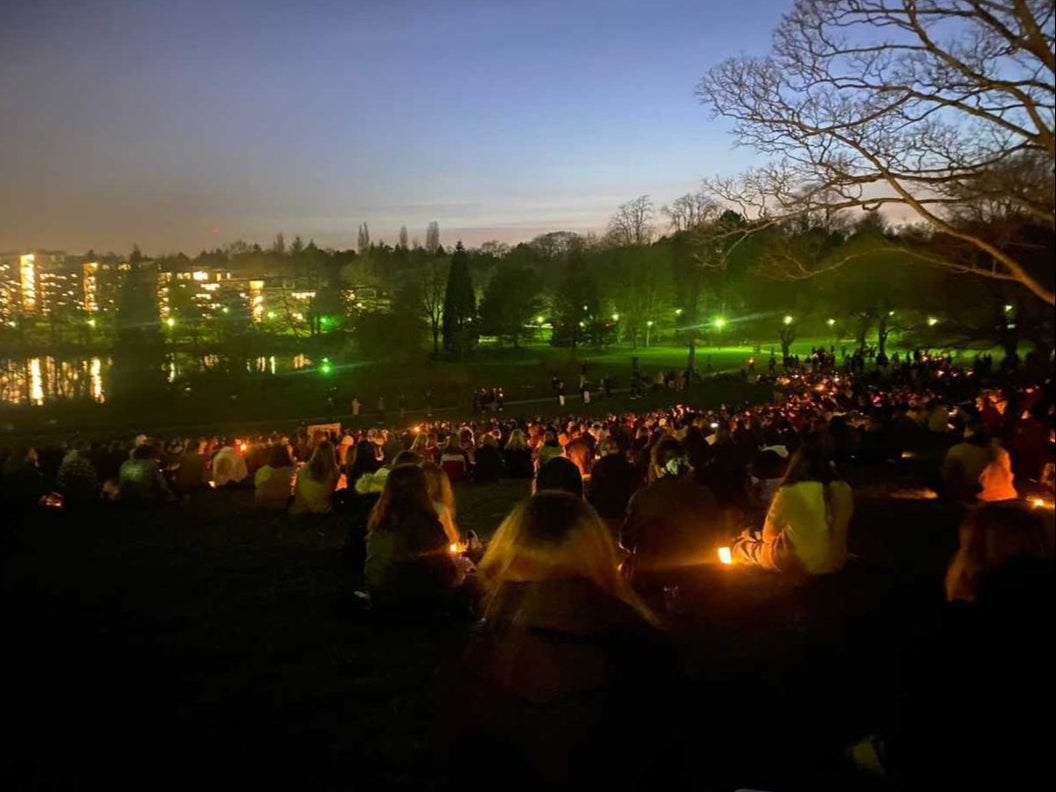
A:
(725, 555)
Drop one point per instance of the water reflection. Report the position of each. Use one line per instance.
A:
(37, 380)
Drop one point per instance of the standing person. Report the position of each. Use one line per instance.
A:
(381, 409)
(355, 408)
(428, 402)
(403, 406)
(561, 393)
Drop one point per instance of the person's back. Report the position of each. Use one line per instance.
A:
(613, 481)
(140, 479)
(558, 675)
(814, 522)
(670, 523)
(271, 486)
(312, 495)
(488, 463)
(517, 463)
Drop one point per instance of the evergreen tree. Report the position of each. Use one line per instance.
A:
(459, 305)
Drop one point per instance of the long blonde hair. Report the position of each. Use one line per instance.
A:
(439, 485)
(553, 536)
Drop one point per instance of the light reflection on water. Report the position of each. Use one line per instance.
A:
(39, 379)
(36, 380)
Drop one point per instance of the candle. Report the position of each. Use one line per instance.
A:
(725, 555)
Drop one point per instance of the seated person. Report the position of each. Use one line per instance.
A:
(672, 522)
(959, 726)
(408, 562)
(566, 663)
(806, 525)
(488, 467)
(272, 482)
(313, 490)
(229, 469)
(964, 463)
(558, 474)
(140, 479)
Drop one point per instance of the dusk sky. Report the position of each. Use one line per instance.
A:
(188, 124)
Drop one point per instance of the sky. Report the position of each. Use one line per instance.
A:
(183, 124)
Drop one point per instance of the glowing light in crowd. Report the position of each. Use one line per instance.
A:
(725, 555)
(789, 320)
(170, 322)
(932, 321)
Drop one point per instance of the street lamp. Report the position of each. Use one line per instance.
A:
(831, 323)
(932, 321)
(615, 317)
(788, 320)
(719, 323)
(170, 322)
(91, 322)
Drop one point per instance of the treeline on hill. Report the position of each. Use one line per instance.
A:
(691, 273)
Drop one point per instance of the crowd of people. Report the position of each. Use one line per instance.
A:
(576, 584)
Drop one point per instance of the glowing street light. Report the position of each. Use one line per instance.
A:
(1009, 308)
(649, 323)
(831, 323)
(540, 319)
(615, 317)
(170, 322)
(678, 312)
(91, 322)
(788, 320)
(932, 321)
(271, 314)
(326, 367)
(719, 323)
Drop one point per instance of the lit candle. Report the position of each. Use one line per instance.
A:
(725, 555)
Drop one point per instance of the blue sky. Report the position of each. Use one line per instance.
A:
(185, 124)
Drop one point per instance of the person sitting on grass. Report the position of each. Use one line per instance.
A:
(442, 494)
(272, 481)
(488, 467)
(806, 525)
(558, 474)
(517, 457)
(313, 490)
(672, 522)
(567, 661)
(961, 724)
(140, 480)
(408, 561)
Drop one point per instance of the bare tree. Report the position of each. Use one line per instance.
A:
(433, 288)
(921, 105)
(403, 238)
(432, 238)
(689, 211)
(632, 223)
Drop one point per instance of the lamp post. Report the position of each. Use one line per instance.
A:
(648, 330)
